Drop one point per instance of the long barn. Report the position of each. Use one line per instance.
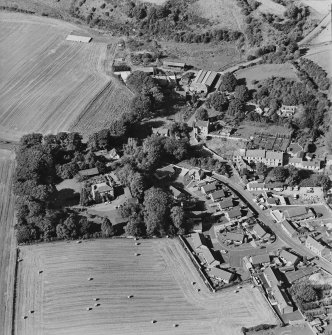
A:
(78, 38)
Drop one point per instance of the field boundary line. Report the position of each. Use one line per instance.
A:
(206, 280)
(17, 250)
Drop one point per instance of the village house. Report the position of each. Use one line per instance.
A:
(201, 128)
(209, 257)
(314, 165)
(268, 157)
(165, 172)
(235, 237)
(209, 188)
(299, 213)
(177, 194)
(234, 213)
(259, 231)
(289, 229)
(217, 195)
(277, 215)
(289, 258)
(221, 274)
(161, 131)
(226, 204)
(271, 277)
(281, 300)
(258, 260)
(109, 155)
(287, 111)
(198, 240)
(294, 148)
(102, 192)
(316, 246)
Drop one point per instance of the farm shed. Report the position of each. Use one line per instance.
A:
(78, 38)
(89, 172)
(198, 240)
(209, 257)
(221, 274)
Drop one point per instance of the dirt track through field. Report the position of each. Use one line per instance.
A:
(159, 280)
(7, 241)
(46, 81)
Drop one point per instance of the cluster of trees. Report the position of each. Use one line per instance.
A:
(274, 92)
(303, 292)
(158, 215)
(247, 6)
(154, 151)
(42, 162)
(211, 164)
(293, 176)
(149, 95)
(144, 58)
(253, 32)
(173, 20)
(287, 50)
(315, 72)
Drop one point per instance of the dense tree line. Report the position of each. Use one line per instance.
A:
(247, 6)
(315, 72)
(173, 20)
(210, 164)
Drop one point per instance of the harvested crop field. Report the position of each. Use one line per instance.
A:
(322, 55)
(269, 6)
(132, 291)
(109, 105)
(46, 81)
(7, 241)
(264, 71)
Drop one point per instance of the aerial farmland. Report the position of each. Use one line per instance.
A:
(48, 81)
(126, 284)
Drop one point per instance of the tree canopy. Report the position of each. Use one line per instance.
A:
(228, 82)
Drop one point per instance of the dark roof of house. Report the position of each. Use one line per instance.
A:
(89, 172)
(201, 124)
(310, 240)
(175, 191)
(210, 187)
(274, 185)
(293, 276)
(208, 255)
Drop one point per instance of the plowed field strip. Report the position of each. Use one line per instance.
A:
(7, 241)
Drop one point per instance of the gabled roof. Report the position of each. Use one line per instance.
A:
(235, 212)
(210, 187)
(218, 194)
(289, 257)
(295, 160)
(177, 64)
(222, 274)
(274, 155)
(198, 240)
(208, 255)
(235, 236)
(275, 184)
(175, 191)
(296, 211)
(89, 172)
(226, 203)
(103, 187)
(280, 297)
(260, 259)
(258, 229)
(202, 124)
(271, 276)
(316, 244)
(314, 163)
(289, 227)
(294, 148)
(256, 153)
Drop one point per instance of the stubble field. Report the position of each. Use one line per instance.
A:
(7, 241)
(46, 81)
(160, 280)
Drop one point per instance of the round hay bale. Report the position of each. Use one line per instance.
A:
(193, 283)
(153, 321)
(90, 278)
(24, 317)
(96, 305)
(198, 290)
(40, 271)
(137, 243)
(175, 325)
(88, 308)
(95, 299)
(31, 311)
(136, 254)
(130, 296)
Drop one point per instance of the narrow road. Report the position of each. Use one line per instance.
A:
(275, 227)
